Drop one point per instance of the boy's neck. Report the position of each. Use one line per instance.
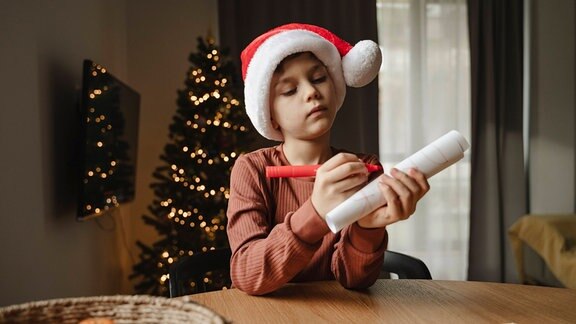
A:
(307, 152)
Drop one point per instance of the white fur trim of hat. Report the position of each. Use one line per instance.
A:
(348, 65)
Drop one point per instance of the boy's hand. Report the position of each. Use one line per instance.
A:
(402, 192)
(337, 179)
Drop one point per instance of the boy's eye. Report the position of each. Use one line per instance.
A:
(319, 79)
(289, 92)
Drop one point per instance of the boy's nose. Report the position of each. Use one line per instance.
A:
(311, 92)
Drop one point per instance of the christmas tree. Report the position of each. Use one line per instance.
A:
(208, 133)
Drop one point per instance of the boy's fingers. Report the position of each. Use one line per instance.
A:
(420, 179)
(338, 160)
(407, 180)
(392, 201)
(399, 188)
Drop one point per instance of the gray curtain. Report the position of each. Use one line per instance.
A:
(498, 195)
(240, 21)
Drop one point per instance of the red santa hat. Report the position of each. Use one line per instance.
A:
(347, 65)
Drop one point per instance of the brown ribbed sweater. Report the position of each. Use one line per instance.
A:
(277, 236)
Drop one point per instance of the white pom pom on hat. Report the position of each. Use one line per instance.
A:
(348, 65)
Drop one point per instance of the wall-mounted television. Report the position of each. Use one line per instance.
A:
(109, 111)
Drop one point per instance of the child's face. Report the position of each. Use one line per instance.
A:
(302, 98)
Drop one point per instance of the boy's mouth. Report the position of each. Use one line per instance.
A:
(316, 109)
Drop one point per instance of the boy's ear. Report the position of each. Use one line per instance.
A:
(274, 124)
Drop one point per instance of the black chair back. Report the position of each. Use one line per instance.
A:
(210, 270)
(405, 266)
(200, 272)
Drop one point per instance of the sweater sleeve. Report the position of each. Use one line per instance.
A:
(359, 254)
(264, 256)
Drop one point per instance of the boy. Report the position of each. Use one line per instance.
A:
(295, 82)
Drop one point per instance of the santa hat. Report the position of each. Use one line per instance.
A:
(354, 66)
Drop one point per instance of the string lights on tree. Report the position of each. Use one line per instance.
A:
(209, 131)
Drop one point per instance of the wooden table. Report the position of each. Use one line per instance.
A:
(394, 301)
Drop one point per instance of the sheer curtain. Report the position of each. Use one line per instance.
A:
(424, 92)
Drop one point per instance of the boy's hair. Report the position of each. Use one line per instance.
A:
(280, 66)
(354, 66)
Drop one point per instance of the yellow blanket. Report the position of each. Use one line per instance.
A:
(553, 237)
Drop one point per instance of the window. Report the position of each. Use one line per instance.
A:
(424, 93)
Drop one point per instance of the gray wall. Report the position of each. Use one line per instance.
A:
(46, 253)
(553, 102)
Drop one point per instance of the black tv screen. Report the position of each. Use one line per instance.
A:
(109, 112)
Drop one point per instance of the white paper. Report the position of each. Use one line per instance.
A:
(430, 160)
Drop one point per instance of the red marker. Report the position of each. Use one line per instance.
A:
(295, 171)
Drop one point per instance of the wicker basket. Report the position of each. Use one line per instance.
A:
(110, 309)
